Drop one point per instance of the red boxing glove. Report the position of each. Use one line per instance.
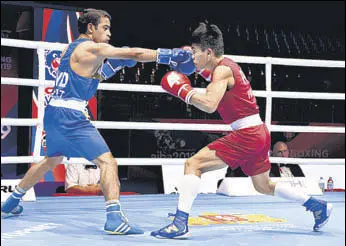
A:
(205, 73)
(186, 47)
(178, 85)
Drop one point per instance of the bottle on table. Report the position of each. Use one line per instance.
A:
(321, 184)
(330, 184)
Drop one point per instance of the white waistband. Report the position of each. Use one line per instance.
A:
(71, 104)
(249, 121)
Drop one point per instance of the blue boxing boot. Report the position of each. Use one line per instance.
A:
(177, 230)
(117, 223)
(321, 210)
(11, 206)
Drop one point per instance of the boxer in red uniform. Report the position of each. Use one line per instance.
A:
(247, 145)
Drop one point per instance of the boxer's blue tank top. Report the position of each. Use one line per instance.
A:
(68, 84)
(68, 131)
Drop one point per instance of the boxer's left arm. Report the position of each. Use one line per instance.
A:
(111, 66)
(171, 57)
(208, 102)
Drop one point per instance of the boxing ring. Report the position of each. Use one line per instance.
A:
(63, 220)
(79, 221)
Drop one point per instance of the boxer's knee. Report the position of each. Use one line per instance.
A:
(108, 163)
(108, 170)
(193, 166)
(105, 160)
(51, 162)
(264, 188)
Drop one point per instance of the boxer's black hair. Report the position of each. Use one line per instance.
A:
(208, 36)
(92, 16)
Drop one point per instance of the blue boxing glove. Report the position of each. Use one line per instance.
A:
(111, 66)
(187, 67)
(178, 59)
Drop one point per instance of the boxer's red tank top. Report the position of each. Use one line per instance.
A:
(239, 101)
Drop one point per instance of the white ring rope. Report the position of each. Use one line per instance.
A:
(158, 89)
(288, 61)
(177, 126)
(27, 44)
(241, 59)
(268, 61)
(169, 161)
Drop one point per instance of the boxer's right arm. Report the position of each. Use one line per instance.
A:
(209, 101)
(138, 54)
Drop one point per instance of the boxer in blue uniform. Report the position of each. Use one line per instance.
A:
(83, 64)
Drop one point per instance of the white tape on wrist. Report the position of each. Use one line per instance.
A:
(189, 96)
